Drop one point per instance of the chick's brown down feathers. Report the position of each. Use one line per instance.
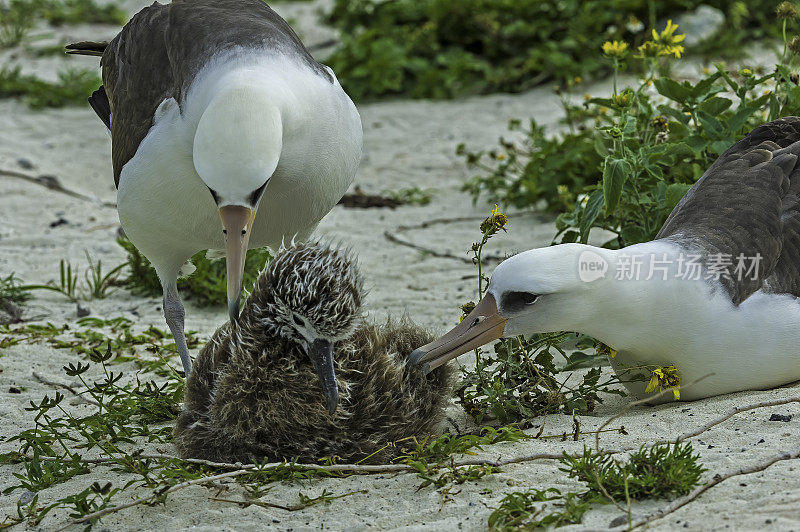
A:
(254, 394)
(270, 406)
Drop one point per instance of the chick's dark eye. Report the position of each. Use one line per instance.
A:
(298, 321)
(516, 301)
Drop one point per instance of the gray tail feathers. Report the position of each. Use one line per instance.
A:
(87, 48)
(99, 102)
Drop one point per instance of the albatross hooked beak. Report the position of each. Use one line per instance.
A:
(480, 327)
(320, 351)
(237, 222)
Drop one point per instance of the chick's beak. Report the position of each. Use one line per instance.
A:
(237, 223)
(480, 327)
(320, 352)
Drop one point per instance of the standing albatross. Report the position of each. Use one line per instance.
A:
(218, 113)
(717, 292)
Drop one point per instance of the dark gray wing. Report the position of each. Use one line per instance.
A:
(748, 202)
(159, 52)
(102, 107)
(137, 77)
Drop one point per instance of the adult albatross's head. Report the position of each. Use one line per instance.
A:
(539, 290)
(235, 152)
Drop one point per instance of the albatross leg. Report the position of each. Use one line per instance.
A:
(174, 314)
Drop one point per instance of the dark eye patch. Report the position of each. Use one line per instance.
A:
(298, 321)
(516, 301)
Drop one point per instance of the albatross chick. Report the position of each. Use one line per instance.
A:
(301, 375)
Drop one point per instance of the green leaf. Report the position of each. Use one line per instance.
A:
(632, 234)
(615, 172)
(673, 90)
(739, 119)
(674, 193)
(578, 359)
(678, 131)
(711, 126)
(715, 105)
(696, 143)
(590, 213)
(720, 146)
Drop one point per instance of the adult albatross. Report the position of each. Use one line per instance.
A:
(717, 292)
(217, 112)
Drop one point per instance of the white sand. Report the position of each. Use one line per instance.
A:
(407, 143)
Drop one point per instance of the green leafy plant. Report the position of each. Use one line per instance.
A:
(651, 472)
(519, 510)
(521, 381)
(12, 289)
(18, 17)
(98, 284)
(72, 87)
(629, 158)
(16, 20)
(411, 195)
(205, 286)
(659, 471)
(443, 49)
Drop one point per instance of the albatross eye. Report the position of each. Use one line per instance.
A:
(516, 301)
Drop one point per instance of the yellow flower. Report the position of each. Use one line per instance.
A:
(624, 98)
(495, 222)
(667, 42)
(665, 377)
(746, 72)
(578, 80)
(615, 48)
(648, 49)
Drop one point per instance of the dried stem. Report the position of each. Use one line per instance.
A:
(636, 403)
(156, 494)
(52, 183)
(67, 387)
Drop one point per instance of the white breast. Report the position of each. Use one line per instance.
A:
(168, 212)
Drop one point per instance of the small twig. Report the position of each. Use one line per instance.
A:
(52, 183)
(292, 507)
(735, 411)
(683, 501)
(156, 494)
(67, 387)
(395, 239)
(636, 403)
(605, 492)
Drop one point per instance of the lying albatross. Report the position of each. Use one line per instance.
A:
(217, 113)
(717, 292)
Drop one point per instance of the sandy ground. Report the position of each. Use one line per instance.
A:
(406, 144)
